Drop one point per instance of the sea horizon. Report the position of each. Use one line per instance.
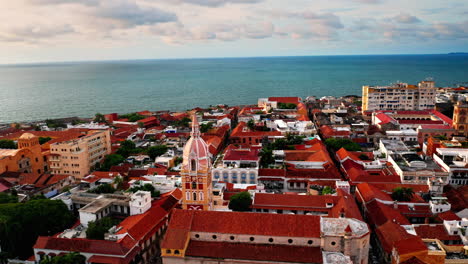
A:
(39, 91)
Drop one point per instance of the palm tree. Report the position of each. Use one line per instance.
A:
(402, 194)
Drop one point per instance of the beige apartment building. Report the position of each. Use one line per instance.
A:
(400, 96)
(77, 156)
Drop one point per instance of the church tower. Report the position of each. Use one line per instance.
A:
(196, 172)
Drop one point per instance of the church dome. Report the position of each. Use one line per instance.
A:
(196, 154)
(27, 136)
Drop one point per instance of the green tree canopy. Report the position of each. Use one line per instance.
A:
(43, 140)
(8, 198)
(102, 188)
(402, 194)
(240, 202)
(266, 157)
(99, 118)
(251, 124)
(206, 127)
(70, 258)
(156, 151)
(111, 160)
(287, 106)
(126, 148)
(132, 117)
(22, 223)
(337, 143)
(146, 187)
(7, 144)
(97, 229)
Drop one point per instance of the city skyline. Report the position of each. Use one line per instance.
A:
(90, 30)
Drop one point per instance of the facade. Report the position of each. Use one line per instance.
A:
(238, 165)
(400, 96)
(238, 237)
(460, 118)
(454, 161)
(77, 156)
(196, 172)
(27, 158)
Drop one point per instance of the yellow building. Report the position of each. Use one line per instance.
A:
(460, 118)
(27, 158)
(77, 156)
(400, 96)
(196, 172)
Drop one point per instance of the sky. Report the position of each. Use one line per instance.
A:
(89, 30)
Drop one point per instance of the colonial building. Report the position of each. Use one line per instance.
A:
(27, 158)
(196, 172)
(239, 237)
(78, 155)
(400, 96)
(460, 118)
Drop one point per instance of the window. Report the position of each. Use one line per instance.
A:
(201, 196)
(231, 237)
(176, 252)
(214, 237)
(197, 236)
(252, 238)
(333, 243)
(194, 196)
(290, 241)
(193, 166)
(194, 185)
(310, 242)
(168, 251)
(270, 240)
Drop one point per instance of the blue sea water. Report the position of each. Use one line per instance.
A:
(39, 91)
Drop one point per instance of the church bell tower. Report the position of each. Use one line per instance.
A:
(196, 172)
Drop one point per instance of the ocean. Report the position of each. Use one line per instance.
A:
(31, 92)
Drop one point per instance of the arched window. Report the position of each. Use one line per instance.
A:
(194, 185)
(193, 165)
(201, 196)
(194, 196)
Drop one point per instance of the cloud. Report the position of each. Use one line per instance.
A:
(177, 33)
(131, 14)
(406, 19)
(213, 3)
(57, 2)
(35, 33)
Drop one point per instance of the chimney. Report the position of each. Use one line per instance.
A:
(395, 205)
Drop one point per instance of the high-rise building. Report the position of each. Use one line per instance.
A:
(400, 96)
(196, 172)
(77, 156)
(460, 118)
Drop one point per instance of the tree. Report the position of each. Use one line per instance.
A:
(126, 148)
(118, 182)
(240, 202)
(8, 198)
(132, 117)
(111, 160)
(156, 151)
(97, 229)
(402, 194)
(287, 106)
(70, 258)
(206, 127)
(99, 118)
(337, 143)
(148, 187)
(266, 157)
(102, 188)
(327, 190)
(43, 140)
(7, 144)
(22, 223)
(251, 124)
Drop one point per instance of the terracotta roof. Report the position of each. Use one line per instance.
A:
(410, 245)
(238, 131)
(241, 153)
(378, 214)
(293, 202)
(357, 173)
(255, 252)
(435, 232)
(271, 172)
(458, 198)
(347, 205)
(291, 100)
(330, 172)
(448, 216)
(437, 127)
(385, 119)
(390, 233)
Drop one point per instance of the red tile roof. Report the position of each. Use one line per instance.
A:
(448, 216)
(385, 119)
(293, 202)
(436, 127)
(410, 245)
(389, 233)
(271, 172)
(378, 214)
(458, 198)
(435, 232)
(291, 100)
(255, 252)
(443, 117)
(239, 153)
